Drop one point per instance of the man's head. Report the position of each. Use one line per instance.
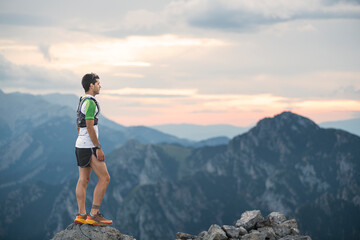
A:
(91, 83)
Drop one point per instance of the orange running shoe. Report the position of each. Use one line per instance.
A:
(98, 220)
(80, 219)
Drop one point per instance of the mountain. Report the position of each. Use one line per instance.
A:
(201, 132)
(24, 112)
(286, 163)
(215, 141)
(38, 134)
(351, 125)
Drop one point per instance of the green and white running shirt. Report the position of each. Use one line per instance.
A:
(90, 109)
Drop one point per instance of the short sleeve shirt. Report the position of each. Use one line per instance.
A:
(88, 108)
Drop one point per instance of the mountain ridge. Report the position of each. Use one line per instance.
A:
(198, 132)
(285, 163)
(38, 109)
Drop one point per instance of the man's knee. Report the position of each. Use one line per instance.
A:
(84, 180)
(105, 179)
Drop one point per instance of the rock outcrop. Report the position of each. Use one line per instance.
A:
(252, 226)
(86, 232)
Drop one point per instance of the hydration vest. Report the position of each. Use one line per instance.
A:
(80, 121)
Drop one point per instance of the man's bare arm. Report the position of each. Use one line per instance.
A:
(94, 139)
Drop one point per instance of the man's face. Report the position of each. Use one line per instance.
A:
(97, 87)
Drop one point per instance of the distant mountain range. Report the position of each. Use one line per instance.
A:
(38, 132)
(196, 132)
(351, 125)
(286, 163)
(188, 134)
(25, 111)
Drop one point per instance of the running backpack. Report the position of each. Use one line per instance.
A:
(80, 120)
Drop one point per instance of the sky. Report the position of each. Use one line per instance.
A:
(189, 61)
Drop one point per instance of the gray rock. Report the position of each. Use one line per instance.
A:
(254, 235)
(202, 234)
(295, 231)
(268, 233)
(292, 223)
(85, 232)
(249, 219)
(242, 231)
(215, 233)
(231, 231)
(296, 238)
(252, 226)
(288, 227)
(263, 223)
(184, 236)
(271, 220)
(281, 230)
(276, 218)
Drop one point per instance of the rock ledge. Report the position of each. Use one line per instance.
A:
(86, 232)
(252, 226)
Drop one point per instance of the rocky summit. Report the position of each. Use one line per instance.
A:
(86, 232)
(252, 226)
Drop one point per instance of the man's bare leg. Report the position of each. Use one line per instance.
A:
(84, 177)
(99, 167)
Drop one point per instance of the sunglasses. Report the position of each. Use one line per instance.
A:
(94, 76)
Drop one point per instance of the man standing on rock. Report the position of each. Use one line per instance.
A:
(89, 154)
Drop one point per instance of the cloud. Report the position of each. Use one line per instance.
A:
(130, 105)
(331, 2)
(130, 75)
(151, 92)
(323, 105)
(194, 101)
(119, 19)
(350, 91)
(26, 20)
(103, 54)
(35, 79)
(44, 49)
(246, 15)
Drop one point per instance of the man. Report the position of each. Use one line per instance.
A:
(89, 154)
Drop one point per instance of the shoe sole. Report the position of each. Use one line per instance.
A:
(80, 221)
(93, 222)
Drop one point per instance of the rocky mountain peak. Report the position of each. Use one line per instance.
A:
(79, 232)
(282, 133)
(287, 121)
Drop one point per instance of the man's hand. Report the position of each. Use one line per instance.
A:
(100, 154)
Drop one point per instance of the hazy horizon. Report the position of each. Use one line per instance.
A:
(193, 124)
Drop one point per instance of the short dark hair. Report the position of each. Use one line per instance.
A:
(88, 79)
